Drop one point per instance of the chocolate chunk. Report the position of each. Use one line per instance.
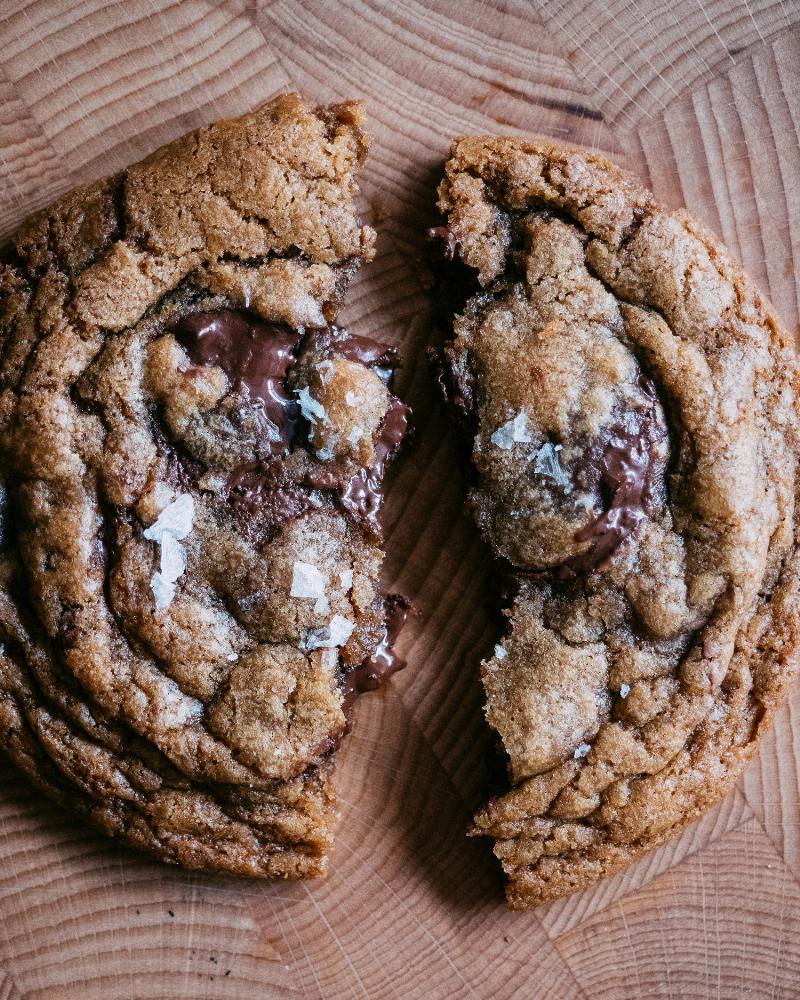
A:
(384, 662)
(255, 493)
(340, 342)
(362, 496)
(251, 352)
(444, 240)
(625, 472)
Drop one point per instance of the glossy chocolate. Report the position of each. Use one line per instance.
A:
(338, 342)
(384, 662)
(625, 471)
(362, 495)
(255, 493)
(444, 240)
(252, 353)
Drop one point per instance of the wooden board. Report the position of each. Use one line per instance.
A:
(702, 97)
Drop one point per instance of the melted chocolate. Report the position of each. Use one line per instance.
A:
(384, 661)
(343, 344)
(255, 489)
(372, 672)
(626, 472)
(444, 239)
(254, 492)
(362, 495)
(252, 352)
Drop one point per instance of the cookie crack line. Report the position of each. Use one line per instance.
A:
(183, 431)
(627, 698)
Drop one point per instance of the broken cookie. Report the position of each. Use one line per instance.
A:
(630, 401)
(192, 462)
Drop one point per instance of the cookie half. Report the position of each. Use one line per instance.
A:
(630, 400)
(192, 463)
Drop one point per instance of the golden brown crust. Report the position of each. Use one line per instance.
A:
(655, 624)
(177, 685)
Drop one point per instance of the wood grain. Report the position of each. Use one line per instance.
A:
(702, 97)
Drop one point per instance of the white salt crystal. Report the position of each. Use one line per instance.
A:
(624, 690)
(346, 579)
(307, 581)
(172, 524)
(341, 629)
(514, 431)
(581, 751)
(164, 590)
(546, 463)
(500, 652)
(335, 634)
(175, 519)
(309, 407)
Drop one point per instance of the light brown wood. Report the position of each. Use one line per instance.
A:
(700, 96)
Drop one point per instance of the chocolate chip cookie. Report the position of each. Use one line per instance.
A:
(630, 401)
(192, 462)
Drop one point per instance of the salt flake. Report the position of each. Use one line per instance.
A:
(545, 463)
(163, 590)
(309, 407)
(175, 519)
(624, 690)
(307, 581)
(500, 652)
(581, 751)
(514, 431)
(335, 634)
(341, 629)
(172, 524)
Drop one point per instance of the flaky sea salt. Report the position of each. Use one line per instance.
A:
(335, 634)
(324, 454)
(351, 399)
(232, 657)
(500, 652)
(624, 690)
(514, 431)
(545, 463)
(341, 629)
(175, 519)
(346, 579)
(355, 435)
(307, 581)
(309, 407)
(172, 524)
(581, 751)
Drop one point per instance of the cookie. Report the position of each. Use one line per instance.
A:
(630, 401)
(192, 462)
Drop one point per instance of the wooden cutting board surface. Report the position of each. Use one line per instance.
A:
(702, 98)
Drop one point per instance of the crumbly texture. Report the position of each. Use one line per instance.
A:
(182, 591)
(632, 406)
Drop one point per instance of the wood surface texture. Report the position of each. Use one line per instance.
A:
(702, 98)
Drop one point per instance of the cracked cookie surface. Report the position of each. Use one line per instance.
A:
(190, 546)
(630, 400)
